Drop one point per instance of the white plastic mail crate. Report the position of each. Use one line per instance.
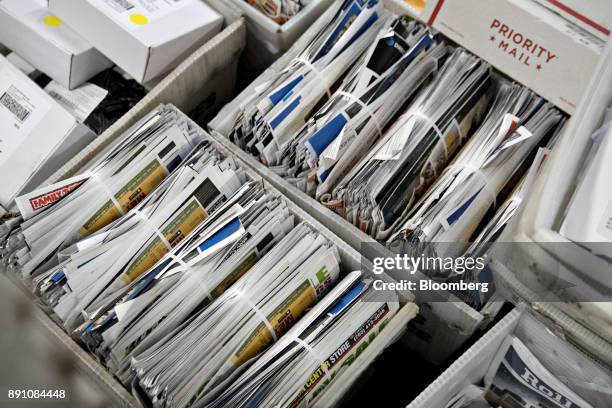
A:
(267, 39)
(350, 261)
(442, 327)
(559, 357)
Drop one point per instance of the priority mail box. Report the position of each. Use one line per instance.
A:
(526, 41)
(47, 43)
(37, 135)
(146, 38)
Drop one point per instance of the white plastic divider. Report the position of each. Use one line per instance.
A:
(538, 238)
(268, 39)
(209, 74)
(559, 357)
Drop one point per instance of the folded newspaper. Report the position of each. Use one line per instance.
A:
(517, 379)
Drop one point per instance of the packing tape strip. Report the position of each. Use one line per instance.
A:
(316, 72)
(242, 296)
(96, 178)
(365, 107)
(153, 228)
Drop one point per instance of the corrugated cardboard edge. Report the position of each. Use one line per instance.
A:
(194, 70)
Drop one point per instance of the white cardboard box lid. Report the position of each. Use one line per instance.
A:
(46, 42)
(36, 16)
(139, 34)
(157, 22)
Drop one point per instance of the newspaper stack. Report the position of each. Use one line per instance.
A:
(398, 170)
(393, 69)
(99, 266)
(195, 360)
(185, 281)
(278, 109)
(297, 370)
(451, 211)
(117, 181)
(517, 379)
(280, 11)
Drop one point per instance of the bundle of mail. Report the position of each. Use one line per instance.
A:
(280, 11)
(454, 206)
(241, 323)
(103, 264)
(279, 109)
(119, 179)
(498, 229)
(410, 156)
(399, 63)
(516, 378)
(297, 370)
(334, 100)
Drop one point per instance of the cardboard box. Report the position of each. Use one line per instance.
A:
(146, 38)
(42, 39)
(205, 80)
(38, 136)
(527, 42)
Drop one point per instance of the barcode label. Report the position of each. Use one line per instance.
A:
(14, 107)
(126, 5)
(64, 101)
